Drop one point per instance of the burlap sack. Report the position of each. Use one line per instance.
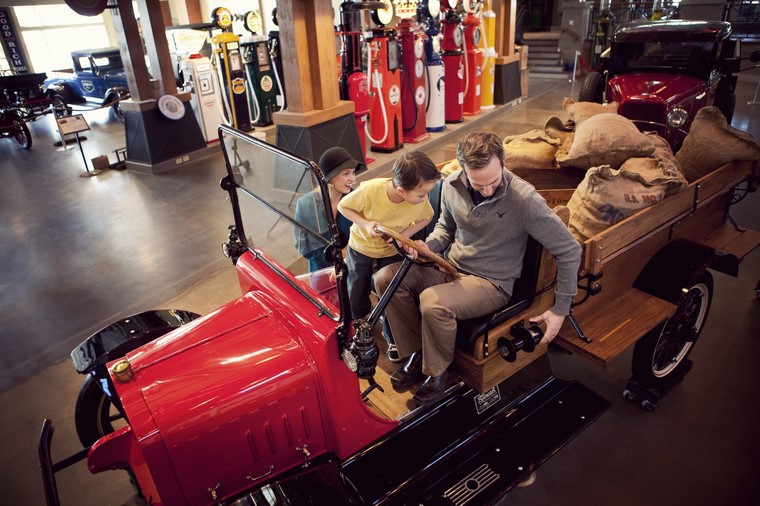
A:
(662, 148)
(556, 129)
(711, 143)
(531, 150)
(607, 196)
(605, 139)
(450, 167)
(581, 111)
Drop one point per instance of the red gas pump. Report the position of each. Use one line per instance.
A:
(383, 65)
(353, 82)
(473, 58)
(453, 37)
(413, 94)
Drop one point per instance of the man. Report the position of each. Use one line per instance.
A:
(487, 214)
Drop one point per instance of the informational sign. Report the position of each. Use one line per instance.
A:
(72, 124)
(11, 45)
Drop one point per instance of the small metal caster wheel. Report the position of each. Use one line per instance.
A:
(648, 405)
(628, 395)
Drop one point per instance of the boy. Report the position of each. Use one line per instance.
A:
(400, 203)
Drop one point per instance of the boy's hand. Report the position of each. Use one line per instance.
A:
(370, 228)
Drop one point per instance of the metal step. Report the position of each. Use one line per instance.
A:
(552, 59)
(548, 69)
(542, 50)
(550, 75)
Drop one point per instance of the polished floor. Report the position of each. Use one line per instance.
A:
(79, 252)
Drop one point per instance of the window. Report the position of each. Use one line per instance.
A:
(52, 32)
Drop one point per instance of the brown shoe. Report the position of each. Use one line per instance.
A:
(403, 379)
(434, 388)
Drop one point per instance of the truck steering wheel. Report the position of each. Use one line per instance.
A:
(439, 262)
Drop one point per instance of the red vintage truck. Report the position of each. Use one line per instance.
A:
(279, 398)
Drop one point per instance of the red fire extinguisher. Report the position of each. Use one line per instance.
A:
(383, 65)
(453, 37)
(473, 58)
(413, 94)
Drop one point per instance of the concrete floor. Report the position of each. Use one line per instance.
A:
(78, 253)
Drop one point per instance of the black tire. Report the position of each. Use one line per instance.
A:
(727, 104)
(116, 110)
(592, 89)
(94, 413)
(661, 355)
(60, 108)
(22, 134)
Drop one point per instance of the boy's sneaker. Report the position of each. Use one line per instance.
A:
(392, 353)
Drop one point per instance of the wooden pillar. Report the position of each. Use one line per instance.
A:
(507, 65)
(506, 12)
(315, 118)
(308, 59)
(131, 49)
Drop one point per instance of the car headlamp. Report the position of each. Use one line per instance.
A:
(350, 360)
(677, 117)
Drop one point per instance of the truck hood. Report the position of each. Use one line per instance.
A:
(669, 89)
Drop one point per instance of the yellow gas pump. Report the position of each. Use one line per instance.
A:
(488, 22)
(229, 62)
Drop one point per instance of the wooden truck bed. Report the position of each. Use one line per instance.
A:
(619, 315)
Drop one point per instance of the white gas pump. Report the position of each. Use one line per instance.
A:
(201, 82)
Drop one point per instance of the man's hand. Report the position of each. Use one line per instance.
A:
(553, 324)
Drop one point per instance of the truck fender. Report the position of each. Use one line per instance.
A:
(123, 336)
(114, 93)
(677, 264)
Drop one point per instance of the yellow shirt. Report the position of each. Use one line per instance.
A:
(371, 201)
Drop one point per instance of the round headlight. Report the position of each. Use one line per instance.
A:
(677, 117)
(350, 360)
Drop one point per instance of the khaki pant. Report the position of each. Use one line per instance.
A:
(424, 310)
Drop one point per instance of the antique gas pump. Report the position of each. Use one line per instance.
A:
(488, 22)
(229, 64)
(453, 37)
(353, 83)
(259, 72)
(383, 62)
(201, 82)
(275, 56)
(428, 12)
(473, 57)
(413, 94)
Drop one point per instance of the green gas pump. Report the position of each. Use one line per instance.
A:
(259, 70)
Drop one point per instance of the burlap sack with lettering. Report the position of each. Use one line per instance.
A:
(607, 196)
(712, 143)
(581, 111)
(605, 139)
(531, 150)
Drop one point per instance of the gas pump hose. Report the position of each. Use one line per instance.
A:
(382, 102)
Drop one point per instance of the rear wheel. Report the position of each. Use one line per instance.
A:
(660, 355)
(592, 89)
(22, 134)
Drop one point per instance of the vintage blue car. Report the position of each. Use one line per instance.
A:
(98, 80)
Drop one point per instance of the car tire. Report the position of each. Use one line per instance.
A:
(592, 89)
(60, 108)
(661, 354)
(94, 413)
(22, 134)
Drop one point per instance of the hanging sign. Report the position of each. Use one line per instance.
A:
(11, 45)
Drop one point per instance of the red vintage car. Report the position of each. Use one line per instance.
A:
(278, 397)
(662, 72)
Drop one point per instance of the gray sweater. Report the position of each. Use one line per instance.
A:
(489, 239)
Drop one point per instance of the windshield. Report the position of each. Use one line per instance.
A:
(692, 58)
(280, 204)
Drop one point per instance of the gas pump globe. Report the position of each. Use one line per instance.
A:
(473, 58)
(229, 64)
(453, 38)
(383, 65)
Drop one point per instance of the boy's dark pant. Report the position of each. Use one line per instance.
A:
(360, 270)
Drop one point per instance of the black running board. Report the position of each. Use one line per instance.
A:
(438, 459)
